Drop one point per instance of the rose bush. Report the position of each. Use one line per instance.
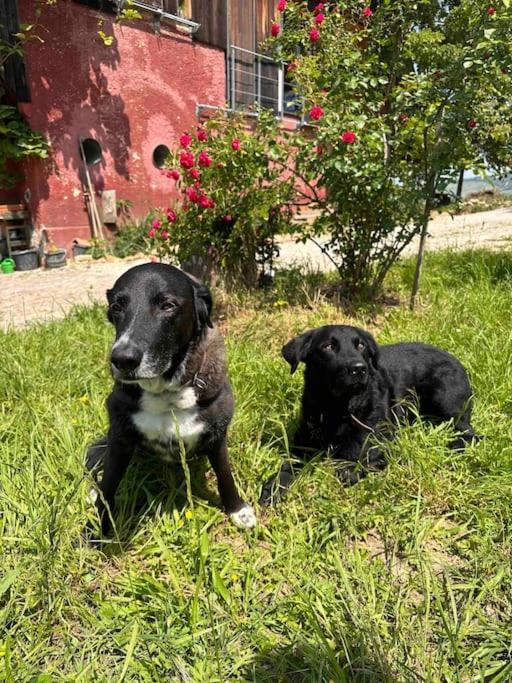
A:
(402, 95)
(232, 200)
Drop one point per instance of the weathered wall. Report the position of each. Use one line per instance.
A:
(132, 96)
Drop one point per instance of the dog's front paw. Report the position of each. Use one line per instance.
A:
(350, 474)
(244, 518)
(272, 492)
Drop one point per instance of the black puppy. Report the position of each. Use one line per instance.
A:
(171, 387)
(354, 389)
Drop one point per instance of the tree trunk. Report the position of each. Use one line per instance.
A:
(460, 184)
(429, 201)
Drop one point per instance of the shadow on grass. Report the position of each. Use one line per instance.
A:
(300, 287)
(150, 485)
(342, 660)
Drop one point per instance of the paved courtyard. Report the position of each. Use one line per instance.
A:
(41, 295)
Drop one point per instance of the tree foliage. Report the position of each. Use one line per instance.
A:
(401, 97)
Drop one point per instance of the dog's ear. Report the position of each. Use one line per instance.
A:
(297, 349)
(203, 305)
(373, 348)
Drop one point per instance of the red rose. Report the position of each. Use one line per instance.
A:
(192, 194)
(367, 12)
(491, 10)
(348, 137)
(316, 113)
(202, 135)
(165, 235)
(281, 5)
(472, 123)
(314, 35)
(197, 184)
(156, 224)
(204, 159)
(227, 218)
(195, 173)
(319, 7)
(171, 215)
(235, 144)
(319, 19)
(275, 30)
(173, 174)
(319, 150)
(152, 232)
(403, 118)
(186, 159)
(185, 140)
(206, 203)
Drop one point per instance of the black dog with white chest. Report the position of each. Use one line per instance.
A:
(171, 384)
(353, 391)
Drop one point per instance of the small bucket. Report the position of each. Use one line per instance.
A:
(7, 265)
(79, 250)
(26, 259)
(55, 259)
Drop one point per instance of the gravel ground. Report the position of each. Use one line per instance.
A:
(489, 229)
(42, 295)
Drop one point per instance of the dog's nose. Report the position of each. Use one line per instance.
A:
(126, 357)
(357, 370)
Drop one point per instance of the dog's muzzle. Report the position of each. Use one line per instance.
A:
(125, 360)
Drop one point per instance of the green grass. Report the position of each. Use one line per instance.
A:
(404, 577)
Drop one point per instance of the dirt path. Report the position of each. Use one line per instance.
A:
(40, 295)
(489, 229)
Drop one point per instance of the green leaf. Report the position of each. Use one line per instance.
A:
(219, 585)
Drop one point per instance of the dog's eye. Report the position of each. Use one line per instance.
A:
(328, 347)
(167, 305)
(116, 307)
(360, 346)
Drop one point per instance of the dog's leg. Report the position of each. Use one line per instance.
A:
(116, 458)
(94, 456)
(466, 436)
(359, 461)
(276, 487)
(240, 513)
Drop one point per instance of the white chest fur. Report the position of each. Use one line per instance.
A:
(168, 417)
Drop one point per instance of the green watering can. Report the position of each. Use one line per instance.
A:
(7, 265)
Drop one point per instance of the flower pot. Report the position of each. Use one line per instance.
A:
(25, 259)
(79, 250)
(55, 259)
(7, 265)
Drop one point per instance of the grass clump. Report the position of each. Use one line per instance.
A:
(404, 577)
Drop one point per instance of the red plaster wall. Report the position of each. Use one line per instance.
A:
(132, 96)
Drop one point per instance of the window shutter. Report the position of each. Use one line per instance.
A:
(169, 6)
(213, 18)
